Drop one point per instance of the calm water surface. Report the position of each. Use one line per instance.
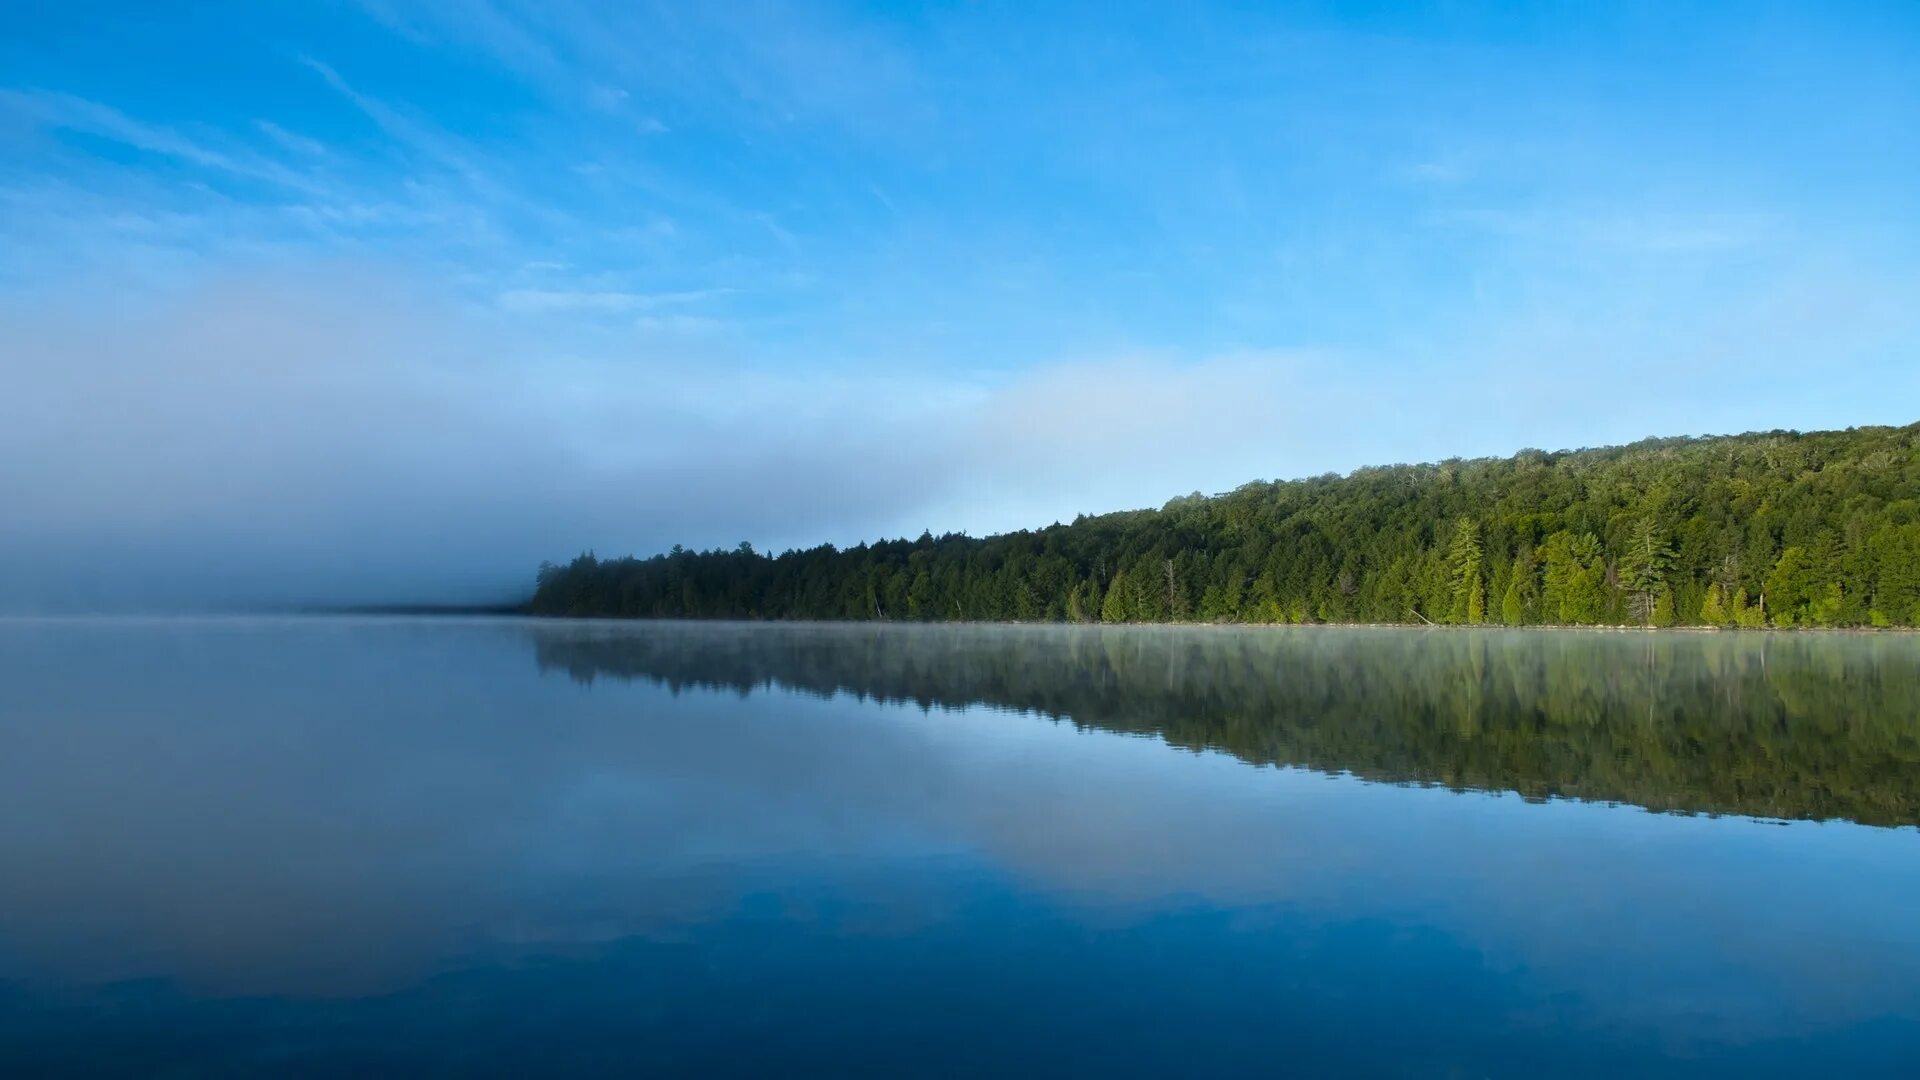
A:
(354, 846)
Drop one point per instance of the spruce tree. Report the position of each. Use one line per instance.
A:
(1645, 569)
(1513, 609)
(1714, 611)
(1115, 608)
(1663, 613)
(1463, 566)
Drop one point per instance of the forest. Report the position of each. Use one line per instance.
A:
(1765, 530)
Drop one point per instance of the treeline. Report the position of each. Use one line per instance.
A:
(1779, 727)
(1780, 529)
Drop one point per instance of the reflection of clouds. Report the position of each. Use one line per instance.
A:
(329, 807)
(240, 808)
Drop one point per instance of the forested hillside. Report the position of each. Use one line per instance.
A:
(1777, 529)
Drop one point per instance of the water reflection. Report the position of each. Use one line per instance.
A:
(384, 842)
(1770, 725)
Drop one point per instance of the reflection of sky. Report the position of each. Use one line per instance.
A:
(330, 808)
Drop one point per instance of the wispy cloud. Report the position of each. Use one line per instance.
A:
(287, 140)
(70, 113)
(1435, 172)
(680, 324)
(861, 270)
(408, 133)
(546, 301)
(1651, 231)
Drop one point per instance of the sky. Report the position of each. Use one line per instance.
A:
(384, 301)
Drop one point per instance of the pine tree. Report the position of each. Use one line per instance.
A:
(1077, 605)
(1644, 569)
(1463, 567)
(1177, 606)
(1790, 586)
(1714, 611)
(1663, 613)
(1583, 596)
(1114, 609)
(1513, 609)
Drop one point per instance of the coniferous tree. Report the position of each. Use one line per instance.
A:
(1714, 611)
(1583, 599)
(1790, 587)
(1513, 609)
(1663, 611)
(1645, 569)
(1464, 557)
(1115, 608)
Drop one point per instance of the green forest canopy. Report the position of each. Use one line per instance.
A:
(1776, 529)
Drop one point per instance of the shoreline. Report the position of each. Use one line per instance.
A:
(1447, 627)
(431, 612)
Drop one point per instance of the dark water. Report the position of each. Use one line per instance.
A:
(366, 846)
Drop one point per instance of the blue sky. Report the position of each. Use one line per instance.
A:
(418, 294)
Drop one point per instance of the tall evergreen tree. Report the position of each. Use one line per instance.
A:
(1115, 608)
(1464, 557)
(1644, 569)
(1713, 611)
(1513, 609)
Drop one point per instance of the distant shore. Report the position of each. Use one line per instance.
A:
(1611, 628)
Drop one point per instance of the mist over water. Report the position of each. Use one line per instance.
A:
(347, 844)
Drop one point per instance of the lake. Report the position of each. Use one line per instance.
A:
(354, 846)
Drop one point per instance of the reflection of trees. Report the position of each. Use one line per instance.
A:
(1773, 726)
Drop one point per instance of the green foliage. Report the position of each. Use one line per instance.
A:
(1114, 609)
(1464, 558)
(1791, 586)
(1714, 611)
(1784, 529)
(1513, 607)
(1643, 570)
(1663, 612)
(1576, 578)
